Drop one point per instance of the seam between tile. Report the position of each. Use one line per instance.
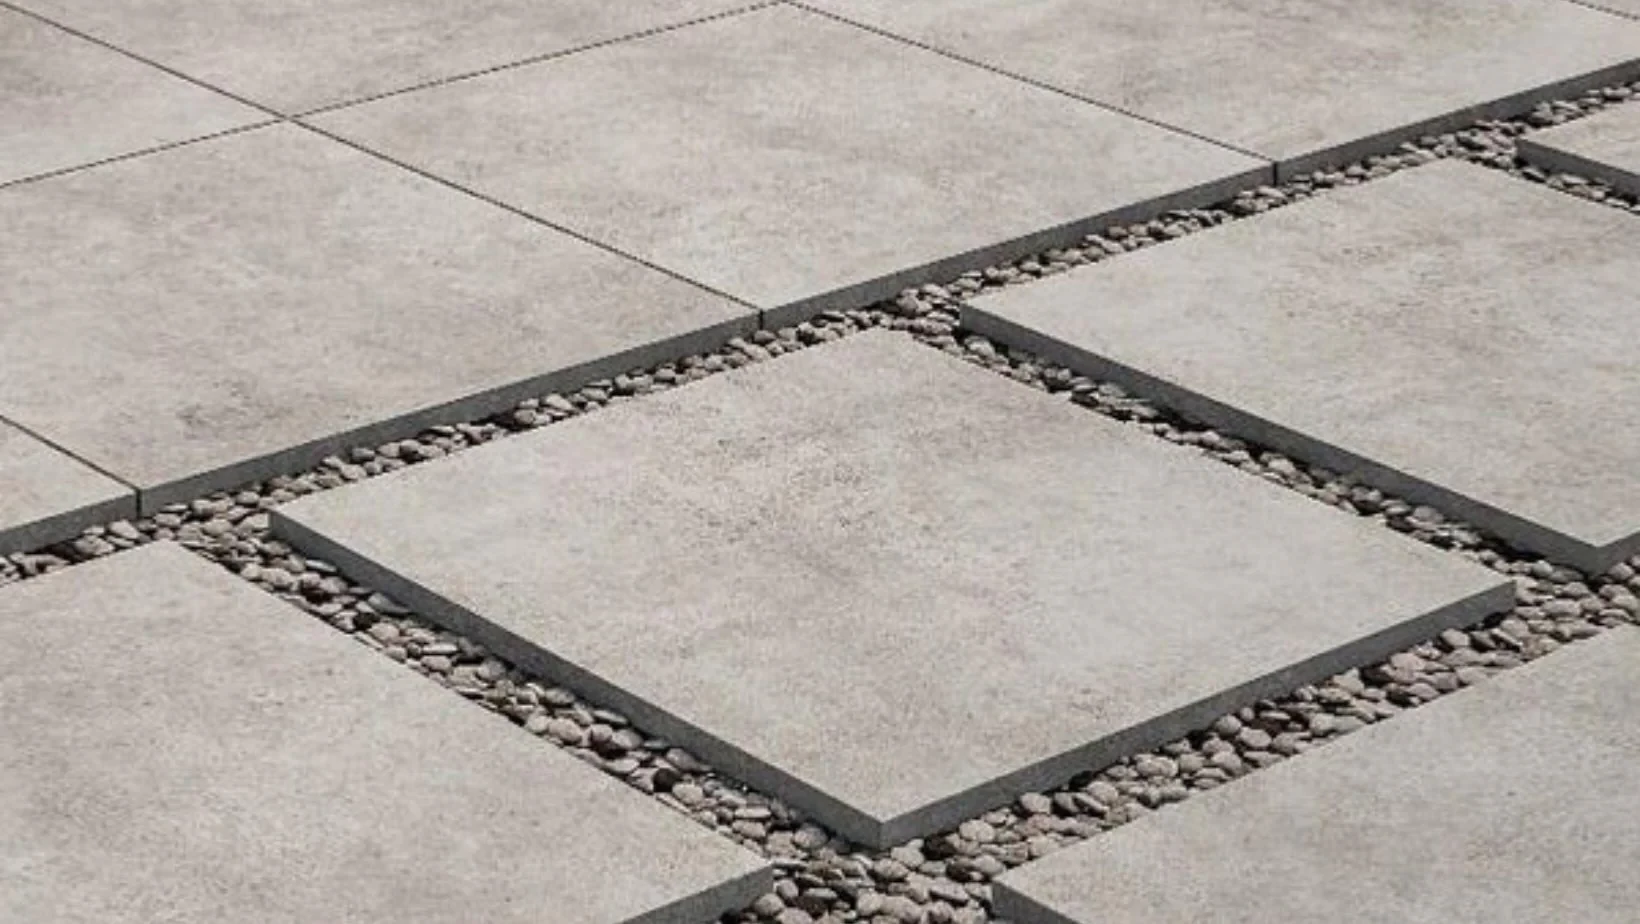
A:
(1597, 7)
(561, 229)
(243, 101)
(134, 155)
(971, 62)
(536, 59)
(26, 431)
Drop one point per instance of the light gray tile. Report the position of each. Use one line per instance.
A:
(243, 306)
(47, 496)
(1306, 82)
(1517, 800)
(890, 588)
(66, 102)
(177, 745)
(1604, 146)
(793, 161)
(1458, 336)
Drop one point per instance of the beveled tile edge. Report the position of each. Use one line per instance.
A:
(66, 525)
(1551, 157)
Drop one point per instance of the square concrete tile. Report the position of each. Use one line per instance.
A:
(1458, 336)
(176, 745)
(1304, 82)
(889, 587)
(790, 160)
(66, 102)
(1604, 146)
(1517, 800)
(48, 496)
(295, 57)
(240, 307)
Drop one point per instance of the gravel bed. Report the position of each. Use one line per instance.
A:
(944, 878)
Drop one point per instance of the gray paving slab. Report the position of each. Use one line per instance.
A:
(210, 753)
(298, 57)
(1622, 7)
(1303, 82)
(1517, 800)
(762, 155)
(1604, 146)
(889, 587)
(243, 306)
(66, 102)
(47, 496)
(1457, 336)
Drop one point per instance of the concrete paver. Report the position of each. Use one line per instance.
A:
(765, 155)
(1305, 82)
(239, 307)
(46, 496)
(1460, 337)
(1517, 800)
(294, 57)
(66, 102)
(1604, 146)
(884, 585)
(178, 746)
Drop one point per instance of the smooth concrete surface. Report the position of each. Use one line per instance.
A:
(66, 102)
(243, 306)
(795, 162)
(47, 496)
(1621, 7)
(294, 57)
(176, 745)
(1309, 83)
(889, 587)
(1604, 146)
(1455, 335)
(1516, 800)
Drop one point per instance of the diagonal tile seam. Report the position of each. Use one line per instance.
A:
(133, 155)
(1597, 5)
(64, 450)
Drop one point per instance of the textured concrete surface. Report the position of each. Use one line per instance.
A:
(765, 156)
(294, 57)
(860, 576)
(178, 746)
(1461, 337)
(1604, 146)
(66, 102)
(240, 307)
(46, 496)
(1306, 82)
(1517, 800)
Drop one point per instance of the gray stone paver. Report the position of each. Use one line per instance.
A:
(66, 102)
(233, 309)
(888, 587)
(1299, 81)
(46, 496)
(790, 160)
(178, 746)
(1463, 337)
(295, 57)
(1517, 800)
(1604, 146)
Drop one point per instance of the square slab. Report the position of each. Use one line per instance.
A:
(891, 588)
(764, 155)
(243, 306)
(1457, 336)
(295, 57)
(1517, 800)
(1604, 146)
(1308, 83)
(49, 496)
(176, 745)
(66, 102)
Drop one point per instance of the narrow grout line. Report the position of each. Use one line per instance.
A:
(1599, 7)
(491, 200)
(534, 59)
(136, 155)
(99, 469)
(1000, 72)
(180, 75)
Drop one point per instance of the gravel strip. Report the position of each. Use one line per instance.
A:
(944, 878)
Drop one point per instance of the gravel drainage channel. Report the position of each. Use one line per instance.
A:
(944, 878)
